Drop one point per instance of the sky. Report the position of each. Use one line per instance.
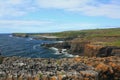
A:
(58, 15)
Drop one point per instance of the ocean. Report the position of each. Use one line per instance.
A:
(27, 47)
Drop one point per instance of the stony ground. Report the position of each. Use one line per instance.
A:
(79, 68)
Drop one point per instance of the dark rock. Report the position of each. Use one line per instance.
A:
(75, 48)
(64, 45)
(1, 59)
(86, 49)
(109, 51)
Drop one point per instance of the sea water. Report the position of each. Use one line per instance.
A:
(27, 47)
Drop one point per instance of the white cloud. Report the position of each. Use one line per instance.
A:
(11, 26)
(15, 7)
(40, 26)
(87, 7)
(15, 2)
(61, 4)
(76, 26)
(24, 22)
(110, 8)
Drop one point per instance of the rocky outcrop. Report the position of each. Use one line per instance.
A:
(1, 59)
(108, 68)
(50, 39)
(86, 48)
(61, 45)
(91, 49)
(109, 51)
(75, 48)
(16, 68)
(80, 68)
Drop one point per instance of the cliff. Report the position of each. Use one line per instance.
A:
(98, 42)
(86, 48)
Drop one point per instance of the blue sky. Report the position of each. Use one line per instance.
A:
(58, 15)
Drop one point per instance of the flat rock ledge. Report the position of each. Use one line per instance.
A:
(80, 68)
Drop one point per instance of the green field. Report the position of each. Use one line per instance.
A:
(108, 37)
(90, 33)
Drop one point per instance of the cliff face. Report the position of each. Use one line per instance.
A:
(109, 51)
(86, 49)
(65, 45)
(91, 50)
(77, 48)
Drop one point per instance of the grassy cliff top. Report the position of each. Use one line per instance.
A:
(80, 33)
(90, 33)
(108, 37)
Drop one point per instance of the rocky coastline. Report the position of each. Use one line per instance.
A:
(85, 49)
(78, 46)
(95, 61)
(80, 68)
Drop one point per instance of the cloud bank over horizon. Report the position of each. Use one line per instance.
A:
(58, 15)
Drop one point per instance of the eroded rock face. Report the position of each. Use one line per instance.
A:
(86, 49)
(109, 51)
(63, 45)
(75, 48)
(91, 50)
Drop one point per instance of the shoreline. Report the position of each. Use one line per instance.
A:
(82, 47)
(63, 51)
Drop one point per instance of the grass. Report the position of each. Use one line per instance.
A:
(80, 33)
(90, 33)
(40, 75)
(110, 37)
(115, 43)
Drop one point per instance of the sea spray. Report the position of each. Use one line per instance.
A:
(61, 52)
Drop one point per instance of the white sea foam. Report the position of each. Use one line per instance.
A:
(56, 50)
(29, 39)
(58, 41)
(35, 46)
(63, 52)
(10, 36)
(69, 55)
(53, 48)
(76, 56)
